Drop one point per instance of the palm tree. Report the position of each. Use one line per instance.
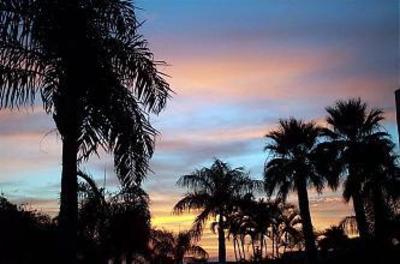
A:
(294, 167)
(112, 226)
(289, 227)
(167, 245)
(215, 191)
(162, 246)
(184, 245)
(381, 181)
(129, 225)
(238, 231)
(333, 238)
(263, 216)
(94, 74)
(352, 128)
(261, 220)
(253, 219)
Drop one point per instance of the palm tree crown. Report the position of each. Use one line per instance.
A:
(91, 69)
(294, 167)
(353, 131)
(293, 147)
(215, 191)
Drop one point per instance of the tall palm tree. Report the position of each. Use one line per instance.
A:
(381, 181)
(352, 127)
(96, 76)
(293, 166)
(215, 191)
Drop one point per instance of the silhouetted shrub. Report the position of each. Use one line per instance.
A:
(26, 236)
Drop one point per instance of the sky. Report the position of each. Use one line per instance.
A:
(237, 67)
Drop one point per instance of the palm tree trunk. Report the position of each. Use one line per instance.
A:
(235, 249)
(262, 246)
(243, 250)
(286, 242)
(68, 220)
(253, 247)
(380, 213)
(239, 249)
(273, 242)
(311, 249)
(221, 241)
(361, 218)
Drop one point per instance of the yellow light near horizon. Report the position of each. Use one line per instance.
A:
(173, 223)
(325, 213)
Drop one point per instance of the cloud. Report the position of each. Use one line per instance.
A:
(246, 76)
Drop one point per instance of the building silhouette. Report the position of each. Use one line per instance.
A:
(397, 95)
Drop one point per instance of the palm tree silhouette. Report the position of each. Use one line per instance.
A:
(166, 245)
(352, 128)
(294, 167)
(237, 229)
(260, 221)
(264, 216)
(289, 227)
(184, 245)
(112, 226)
(333, 238)
(381, 181)
(95, 75)
(215, 191)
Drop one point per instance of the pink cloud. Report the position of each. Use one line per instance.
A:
(244, 75)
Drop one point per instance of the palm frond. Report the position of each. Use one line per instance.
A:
(198, 180)
(199, 222)
(134, 64)
(192, 201)
(89, 180)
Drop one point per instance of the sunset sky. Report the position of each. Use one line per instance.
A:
(237, 66)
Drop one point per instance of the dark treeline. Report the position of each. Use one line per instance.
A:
(112, 228)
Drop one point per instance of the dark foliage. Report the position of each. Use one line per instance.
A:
(25, 236)
(112, 226)
(95, 75)
(166, 247)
